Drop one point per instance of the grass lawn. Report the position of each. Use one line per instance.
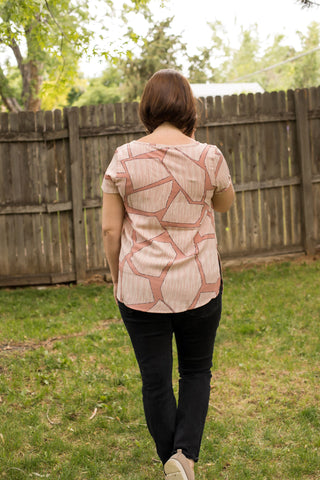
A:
(70, 401)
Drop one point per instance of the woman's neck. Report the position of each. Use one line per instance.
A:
(167, 134)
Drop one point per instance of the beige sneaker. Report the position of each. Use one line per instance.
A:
(178, 468)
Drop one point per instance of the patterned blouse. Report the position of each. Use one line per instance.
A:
(168, 260)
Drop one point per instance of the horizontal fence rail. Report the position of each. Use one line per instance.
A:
(52, 165)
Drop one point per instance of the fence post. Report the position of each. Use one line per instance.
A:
(77, 194)
(303, 138)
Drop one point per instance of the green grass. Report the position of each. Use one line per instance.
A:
(70, 392)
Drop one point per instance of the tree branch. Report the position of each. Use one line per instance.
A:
(308, 3)
(11, 104)
(17, 53)
(55, 21)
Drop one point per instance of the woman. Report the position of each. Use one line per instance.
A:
(160, 193)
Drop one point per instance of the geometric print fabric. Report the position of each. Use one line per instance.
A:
(168, 259)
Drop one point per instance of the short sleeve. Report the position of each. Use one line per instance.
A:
(222, 177)
(109, 179)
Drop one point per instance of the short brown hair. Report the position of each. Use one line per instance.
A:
(168, 97)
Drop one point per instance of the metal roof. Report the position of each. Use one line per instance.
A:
(221, 89)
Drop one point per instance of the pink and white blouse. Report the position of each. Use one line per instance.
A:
(168, 260)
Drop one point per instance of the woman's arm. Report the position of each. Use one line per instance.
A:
(222, 201)
(112, 221)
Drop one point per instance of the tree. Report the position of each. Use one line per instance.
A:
(104, 89)
(198, 71)
(278, 67)
(159, 49)
(278, 78)
(281, 67)
(222, 63)
(307, 68)
(246, 58)
(43, 38)
(47, 39)
(220, 53)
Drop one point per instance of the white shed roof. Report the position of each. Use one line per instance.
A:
(221, 89)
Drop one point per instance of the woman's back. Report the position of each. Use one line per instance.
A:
(168, 260)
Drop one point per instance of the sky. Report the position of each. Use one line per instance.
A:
(191, 19)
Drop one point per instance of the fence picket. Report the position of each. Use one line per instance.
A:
(314, 122)
(16, 234)
(63, 195)
(4, 198)
(301, 102)
(79, 240)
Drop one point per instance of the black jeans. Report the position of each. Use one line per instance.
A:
(175, 426)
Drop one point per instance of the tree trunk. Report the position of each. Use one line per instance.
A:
(31, 81)
(11, 104)
(31, 77)
(31, 84)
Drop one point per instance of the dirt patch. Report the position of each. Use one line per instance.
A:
(98, 280)
(12, 347)
(239, 264)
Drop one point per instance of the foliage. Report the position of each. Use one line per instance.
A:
(279, 78)
(47, 38)
(126, 76)
(219, 62)
(271, 67)
(198, 66)
(245, 58)
(13, 81)
(104, 89)
(159, 49)
(307, 69)
(70, 390)
(211, 59)
(308, 3)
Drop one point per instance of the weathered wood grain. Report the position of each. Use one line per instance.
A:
(52, 165)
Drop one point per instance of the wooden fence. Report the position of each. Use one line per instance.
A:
(52, 164)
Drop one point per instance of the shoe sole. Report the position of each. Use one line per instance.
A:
(174, 470)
